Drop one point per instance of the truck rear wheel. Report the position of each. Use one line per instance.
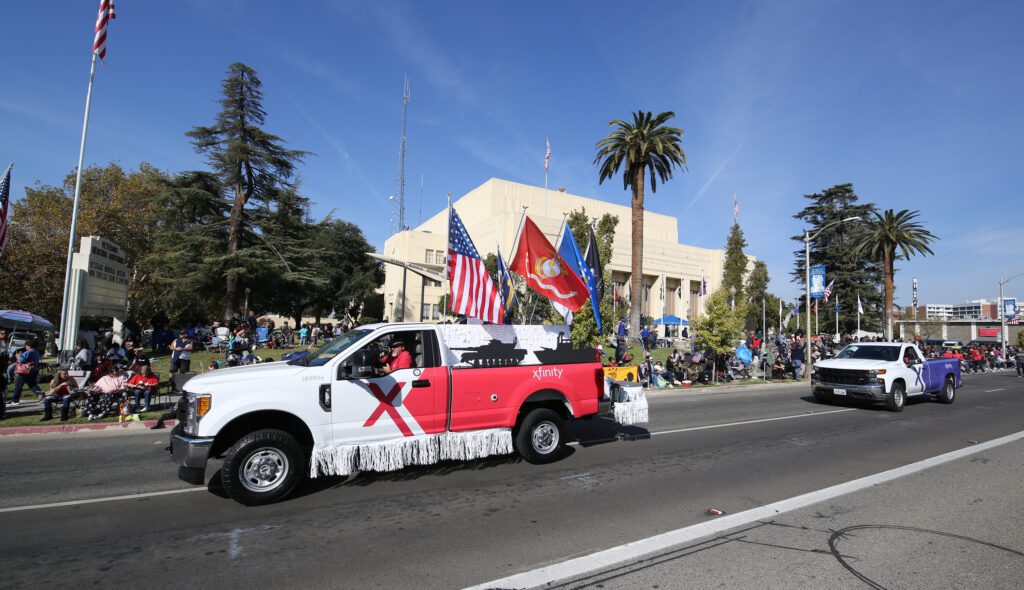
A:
(948, 391)
(897, 398)
(262, 467)
(540, 437)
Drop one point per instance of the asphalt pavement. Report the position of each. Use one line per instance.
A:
(462, 524)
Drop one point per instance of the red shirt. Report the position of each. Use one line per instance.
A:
(142, 382)
(402, 361)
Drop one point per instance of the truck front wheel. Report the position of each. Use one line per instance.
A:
(540, 436)
(262, 467)
(897, 398)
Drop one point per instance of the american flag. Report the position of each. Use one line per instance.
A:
(473, 293)
(5, 197)
(547, 156)
(828, 290)
(1014, 321)
(736, 209)
(703, 287)
(99, 43)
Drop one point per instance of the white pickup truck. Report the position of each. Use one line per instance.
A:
(884, 372)
(450, 392)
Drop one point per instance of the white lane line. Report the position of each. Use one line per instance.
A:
(573, 568)
(726, 425)
(108, 499)
(994, 390)
(198, 489)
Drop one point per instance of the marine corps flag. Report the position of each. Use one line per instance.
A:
(544, 270)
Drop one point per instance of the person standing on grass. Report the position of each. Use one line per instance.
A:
(181, 355)
(27, 372)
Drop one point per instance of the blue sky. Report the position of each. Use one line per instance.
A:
(919, 104)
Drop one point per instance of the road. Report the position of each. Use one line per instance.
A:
(457, 525)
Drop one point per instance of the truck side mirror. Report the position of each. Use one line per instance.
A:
(345, 370)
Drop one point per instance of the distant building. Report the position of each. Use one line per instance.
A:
(491, 214)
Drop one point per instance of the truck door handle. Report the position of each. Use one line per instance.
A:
(421, 383)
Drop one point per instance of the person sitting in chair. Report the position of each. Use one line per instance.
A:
(398, 358)
(60, 390)
(143, 384)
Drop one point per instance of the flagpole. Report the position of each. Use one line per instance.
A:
(857, 335)
(837, 315)
(66, 338)
(447, 241)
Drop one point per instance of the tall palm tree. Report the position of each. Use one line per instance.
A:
(890, 237)
(645, 144)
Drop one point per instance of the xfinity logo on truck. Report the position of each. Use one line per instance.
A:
(552, 372)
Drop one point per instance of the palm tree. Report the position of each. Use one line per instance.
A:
(890, 237)
(645, 144)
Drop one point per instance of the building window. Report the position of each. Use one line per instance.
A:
(429, 258)
(440, 257)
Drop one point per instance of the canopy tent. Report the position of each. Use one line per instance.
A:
(671, 320)
(23, 320)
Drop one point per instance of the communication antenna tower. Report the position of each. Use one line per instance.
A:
(401, 159)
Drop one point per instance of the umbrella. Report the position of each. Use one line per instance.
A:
(25, 320)
(671, 320)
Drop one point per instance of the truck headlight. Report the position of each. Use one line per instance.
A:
(198, 406)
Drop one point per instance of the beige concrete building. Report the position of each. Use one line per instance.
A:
(491, 213)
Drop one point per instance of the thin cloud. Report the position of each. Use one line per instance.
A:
(714, 175)
(322, 71)
(339, 146)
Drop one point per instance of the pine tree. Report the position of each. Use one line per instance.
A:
(735, 263)
(250, 162)
(854, 275)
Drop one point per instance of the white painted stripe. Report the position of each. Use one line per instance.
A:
(728, 424)
(108, 499)
(994, 390)
(567, 570)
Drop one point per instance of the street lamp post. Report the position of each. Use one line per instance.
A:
(807, 286)
(1002, 315)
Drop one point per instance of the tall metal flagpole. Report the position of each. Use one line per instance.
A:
(837, 316)
(67, 339)
(447, 241)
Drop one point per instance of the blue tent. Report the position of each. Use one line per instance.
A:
(671, 320)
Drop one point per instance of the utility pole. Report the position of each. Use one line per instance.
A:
(401, 158)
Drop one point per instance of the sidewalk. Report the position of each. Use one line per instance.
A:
(948, 526)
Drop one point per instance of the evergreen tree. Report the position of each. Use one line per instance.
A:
(756, 291)
(853, 274)
(251, 163)
(735, 262)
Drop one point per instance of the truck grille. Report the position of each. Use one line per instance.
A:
(844, 376)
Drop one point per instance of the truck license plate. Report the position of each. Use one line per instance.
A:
(838, 391)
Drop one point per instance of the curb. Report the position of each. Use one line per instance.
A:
(722, 388)
(69, 428)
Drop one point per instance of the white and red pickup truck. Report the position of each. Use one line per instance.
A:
(471, 391)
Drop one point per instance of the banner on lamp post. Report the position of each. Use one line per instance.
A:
(1010, 308)
(817, 281)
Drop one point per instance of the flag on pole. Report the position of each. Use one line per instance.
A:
(593, 260)
(99, 42)
(5, 198)
(860, 306)
(547, 156)
(545, 270)
(735, 209)
(472, 291)
(703, 286)
(505, 287)
(793, 312)
(828, 290)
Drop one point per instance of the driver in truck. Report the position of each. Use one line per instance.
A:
(398, 358)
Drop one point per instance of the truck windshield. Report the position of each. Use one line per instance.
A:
(332, 349)
(874, 353)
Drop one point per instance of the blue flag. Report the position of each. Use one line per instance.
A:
(506, 290)
(570, 252)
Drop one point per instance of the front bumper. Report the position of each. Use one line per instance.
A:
(874, 392)
(190, 453)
